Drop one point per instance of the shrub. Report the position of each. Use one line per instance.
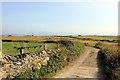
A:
(110, 55)
(66, 43)
(99, 45)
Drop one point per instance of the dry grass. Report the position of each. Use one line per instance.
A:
(31, 37)
(100, 37)
(55, 37)
(38, 38)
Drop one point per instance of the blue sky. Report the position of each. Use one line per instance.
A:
(88, 18)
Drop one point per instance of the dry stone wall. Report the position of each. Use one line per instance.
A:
(21, 63)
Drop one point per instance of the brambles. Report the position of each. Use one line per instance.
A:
(110, 55)
(99, 45)
(66, 43)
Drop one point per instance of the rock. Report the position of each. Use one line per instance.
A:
(6, 66)
(18, 63)
(14, 59)
(7, 58)
(39, 53)
(5, 61)
(44, 62)
(47, 58)
(54, 51)
(44, 52)
(14, 67)
(35, 61)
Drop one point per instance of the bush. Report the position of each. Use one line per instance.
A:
(110, 55)
(66, 43)
(99, 45)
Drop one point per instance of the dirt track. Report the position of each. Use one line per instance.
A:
(86, 66)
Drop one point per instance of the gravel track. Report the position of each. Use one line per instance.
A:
(86, 66)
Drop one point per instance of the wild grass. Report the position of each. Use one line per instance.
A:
(8, 47)
(110, 56)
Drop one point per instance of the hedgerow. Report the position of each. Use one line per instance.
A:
(110, 56)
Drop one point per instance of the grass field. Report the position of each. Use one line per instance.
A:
(8, 47)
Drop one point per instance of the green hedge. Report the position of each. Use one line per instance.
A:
(110, 56)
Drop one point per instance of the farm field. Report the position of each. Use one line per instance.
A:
(58, 37)
(88, 40)
(57, 48)
(83, 39)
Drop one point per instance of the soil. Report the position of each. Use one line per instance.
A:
(87, 65)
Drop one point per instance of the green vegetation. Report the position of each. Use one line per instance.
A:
(62, 51)
(110, 56)
(8, 47)
(59, 57)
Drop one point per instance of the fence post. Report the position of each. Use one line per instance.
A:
(44, 46)
(20, 49)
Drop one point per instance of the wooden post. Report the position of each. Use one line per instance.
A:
(58, 45)
(44, 46)
(20, 49)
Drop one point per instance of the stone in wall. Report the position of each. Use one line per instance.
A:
(14, 65)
